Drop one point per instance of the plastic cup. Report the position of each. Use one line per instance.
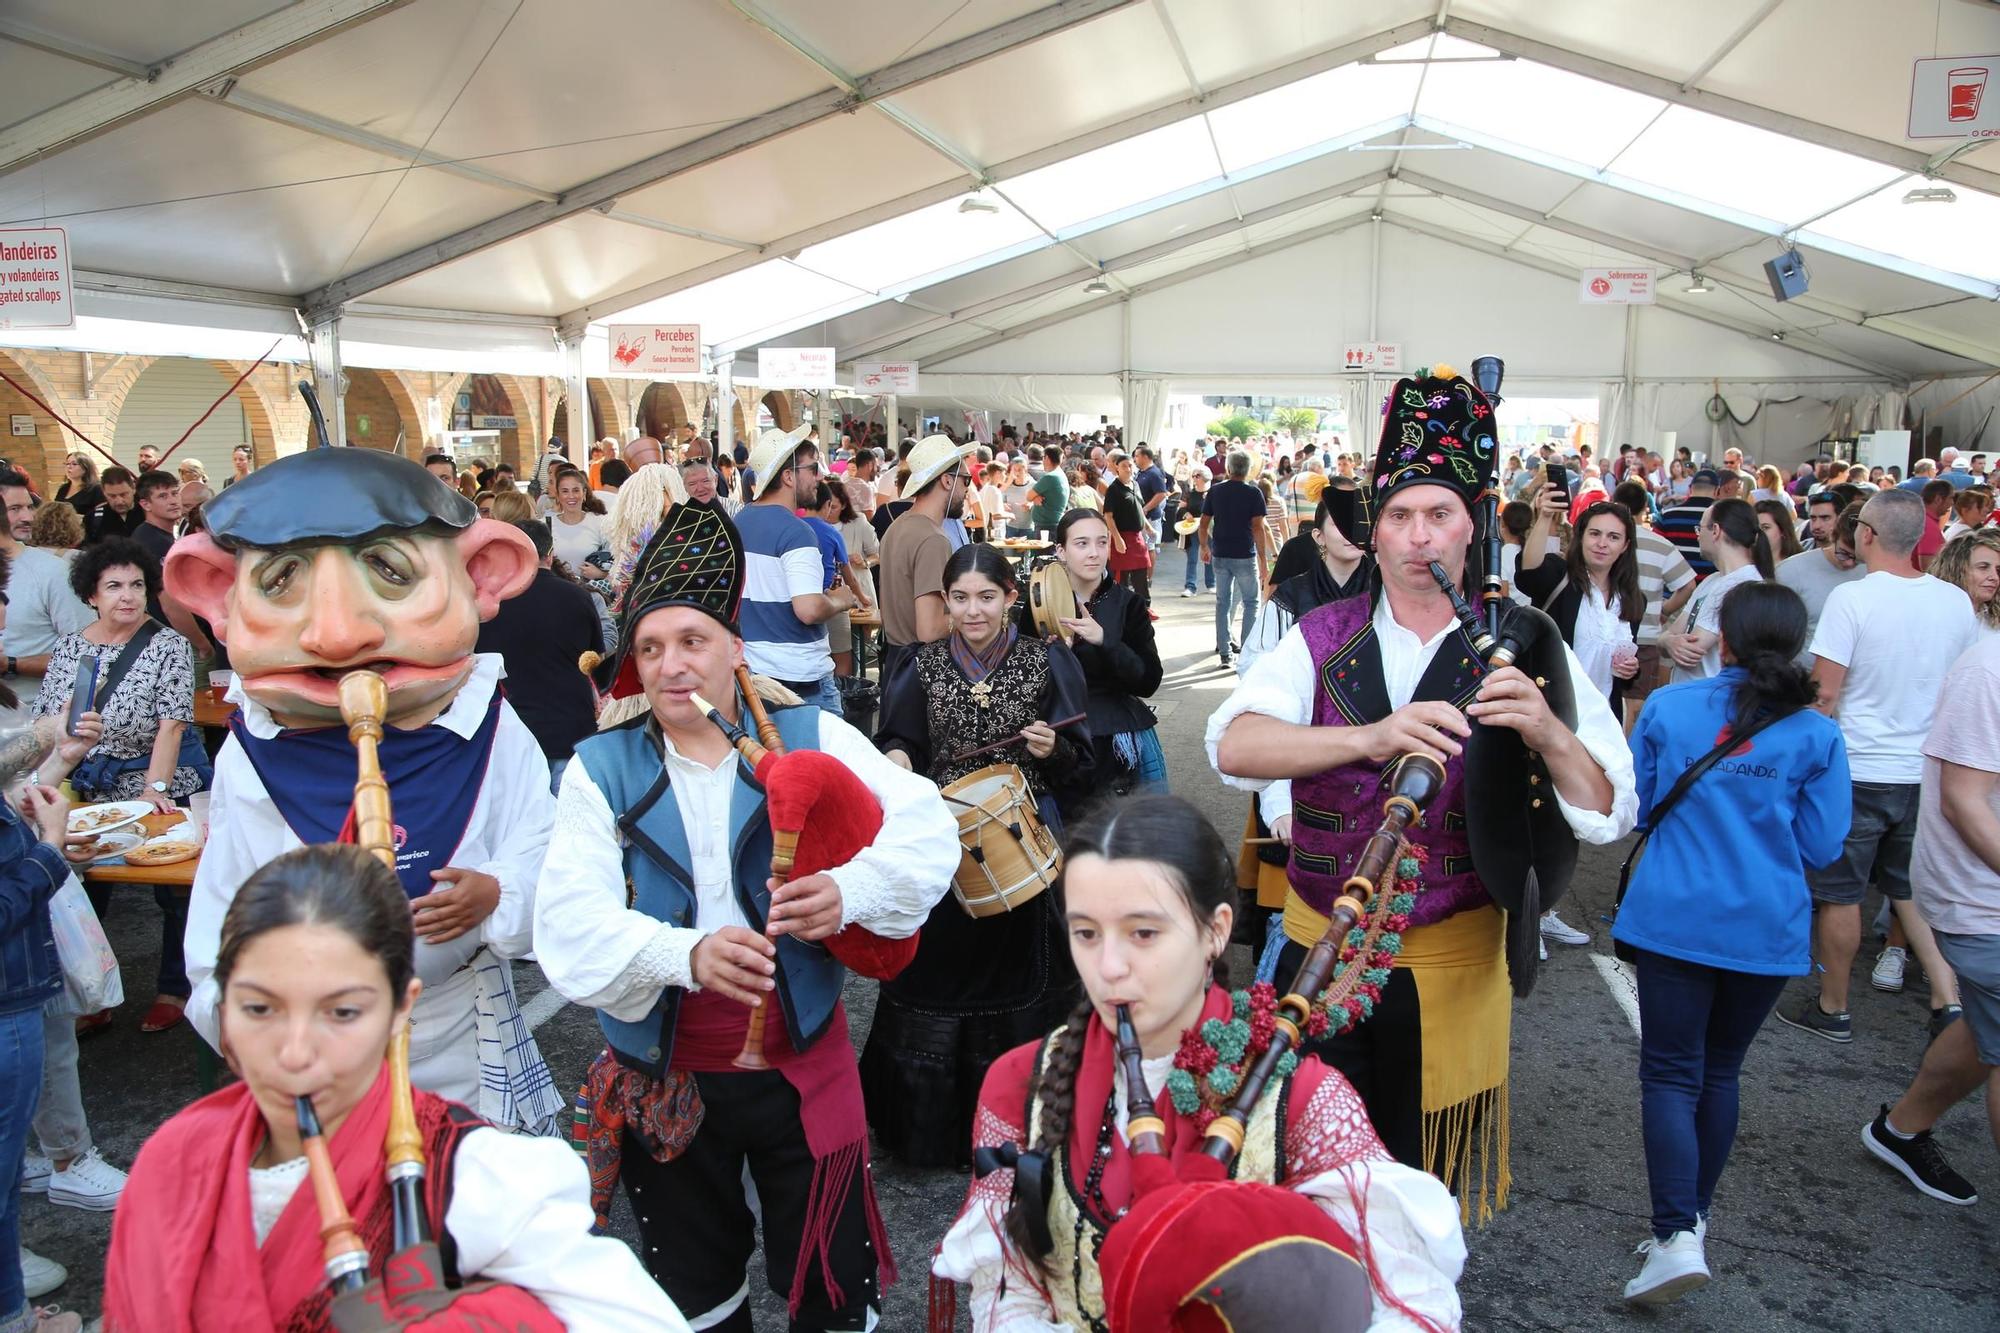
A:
(198, 811)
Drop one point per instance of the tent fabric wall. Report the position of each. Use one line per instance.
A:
(1145, 409)
(1963, 407)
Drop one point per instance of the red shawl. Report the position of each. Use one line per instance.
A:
(184, 1254)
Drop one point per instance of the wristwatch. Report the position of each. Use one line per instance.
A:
(11, 666)
(159, 787)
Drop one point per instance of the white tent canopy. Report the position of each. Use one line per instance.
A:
(465, 183)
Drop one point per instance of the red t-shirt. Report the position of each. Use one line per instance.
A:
(1928, 545)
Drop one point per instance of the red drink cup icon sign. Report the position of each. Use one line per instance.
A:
(1965, 87)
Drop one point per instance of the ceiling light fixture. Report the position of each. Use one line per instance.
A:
(1698, 287)
(1097, 287)
(1931, 194)
(977, 203)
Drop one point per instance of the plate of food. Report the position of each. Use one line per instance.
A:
(162, 852)
(107, 816)
(105, 846)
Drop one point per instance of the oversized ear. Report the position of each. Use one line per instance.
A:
(199, 575)
(501, 561)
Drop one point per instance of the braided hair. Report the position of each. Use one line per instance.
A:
(1167, 832)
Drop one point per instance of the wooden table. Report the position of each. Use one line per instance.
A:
(178, 875)
(1023, 551)
(211, 712)
(864, 624)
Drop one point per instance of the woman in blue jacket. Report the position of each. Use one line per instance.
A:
(31, 869)
(1717, 909)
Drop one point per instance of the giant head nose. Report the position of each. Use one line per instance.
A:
(346, 622)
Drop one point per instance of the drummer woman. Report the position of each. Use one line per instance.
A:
(1113, 643)
(217, 1227)
(1148, 903)
(977, 986)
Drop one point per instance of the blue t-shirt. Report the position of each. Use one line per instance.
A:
(832, 550)
(1152, 482)
(1714, 887)
(1232, 506)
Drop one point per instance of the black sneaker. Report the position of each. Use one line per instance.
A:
(1920, 1160)
(1944, 1017)
(1805, 1014)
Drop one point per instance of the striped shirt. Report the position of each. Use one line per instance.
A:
(1677, 523)
(781, 560)
(1663, 571)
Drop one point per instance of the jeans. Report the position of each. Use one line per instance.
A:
(61, 1131)
(20, 1086)
(1696, 1025)
(1194, 563)
(827, 696)
(1234, 579)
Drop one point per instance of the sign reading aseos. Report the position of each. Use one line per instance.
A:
(655, 349)
(34, 279)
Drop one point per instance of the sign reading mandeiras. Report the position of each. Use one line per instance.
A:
(655, 349)
(35, 279)
(1615, 286)
(885, 376)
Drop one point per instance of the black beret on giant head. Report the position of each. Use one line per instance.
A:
(335, 495)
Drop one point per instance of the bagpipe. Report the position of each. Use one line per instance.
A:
(411, 1292)
(1522, 847)
(1198, 1252)
(821, 815)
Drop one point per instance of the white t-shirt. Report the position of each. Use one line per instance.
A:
(40, 610)
(575, 541)
(1956, 890)
(1704, 611)
(1896, 636)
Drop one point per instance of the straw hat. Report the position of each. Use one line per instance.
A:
(773, 450)
(933, 457)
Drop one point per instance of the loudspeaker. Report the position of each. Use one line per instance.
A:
(1787, 274)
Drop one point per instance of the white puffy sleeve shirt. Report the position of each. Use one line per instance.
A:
(600, 953)
(1281, 685)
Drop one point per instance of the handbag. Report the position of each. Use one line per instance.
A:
(1624, 952)
(90, 969)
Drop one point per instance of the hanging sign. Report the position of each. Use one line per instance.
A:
(1384, 357)
(35, 279)
(795, 367)
(1615, 286)
(885, 376)
(655, 349)
(1948, 98)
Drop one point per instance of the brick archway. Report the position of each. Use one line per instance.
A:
(379, 401)
(257, 414)
(42, 456)
(662, 408)
(514, 444)
(784, 409)
(603, 415)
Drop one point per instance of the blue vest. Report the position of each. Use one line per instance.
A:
(627, 766)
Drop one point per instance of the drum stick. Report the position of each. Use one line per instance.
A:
(1001, 745)
(1262, 842)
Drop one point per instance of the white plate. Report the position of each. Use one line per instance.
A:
(128, 812)
(111, 846)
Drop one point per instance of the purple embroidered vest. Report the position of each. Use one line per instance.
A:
(1335, 812)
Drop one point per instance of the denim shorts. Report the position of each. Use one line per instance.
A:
(1976, 961)
(1878, 847)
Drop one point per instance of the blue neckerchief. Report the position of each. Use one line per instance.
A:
(434, 777)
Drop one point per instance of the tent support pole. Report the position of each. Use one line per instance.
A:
(323, 347)
(576, 389)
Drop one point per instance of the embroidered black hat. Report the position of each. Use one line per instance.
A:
(1437, 430)
(695, 559)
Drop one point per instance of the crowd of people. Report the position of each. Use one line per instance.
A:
(1819, 648)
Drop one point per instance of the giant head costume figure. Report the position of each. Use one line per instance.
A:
(335, 559)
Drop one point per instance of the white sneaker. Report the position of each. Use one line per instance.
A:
(1187, 592)
(40, 1276)
(90, 1183)
(1561, 931)
(1889, 968)
(35, 1172)
(1674, 1267)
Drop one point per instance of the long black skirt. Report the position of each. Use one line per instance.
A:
(977, 989)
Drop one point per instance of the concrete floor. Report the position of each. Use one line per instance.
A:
(1809, 1232)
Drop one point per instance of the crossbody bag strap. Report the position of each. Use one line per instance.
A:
(1680, 788)
(108, 685)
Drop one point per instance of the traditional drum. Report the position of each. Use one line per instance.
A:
(1051, 599)
(1010, 856)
